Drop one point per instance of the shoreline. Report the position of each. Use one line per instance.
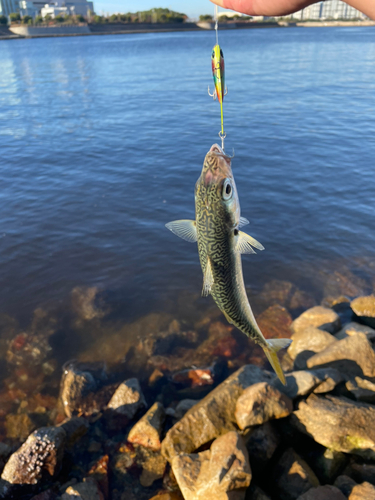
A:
(23, 32)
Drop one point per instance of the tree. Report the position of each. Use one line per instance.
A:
(38, 19)
(3, 20)
(14, 17)
(26, 19)
(60, 18)
(205, 17)
(80, 18)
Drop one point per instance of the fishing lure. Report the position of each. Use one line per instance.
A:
(218, 73)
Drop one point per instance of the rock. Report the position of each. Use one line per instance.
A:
(362, 390)
(195, 377)
(213, 415)
(74, 428)
(261, 444)
(147, 430)
(338, 423)
(363, 472)
(345, 484)
(256, 493)
(353, 328)
(298, 383)
(43, 451)
(364, 308)
(344, 282)
(292, 476)
(307, 342)
(327, 464)
(352, 355)
(19, 426)
(259, 403)
(88, 490)
(99, 472)
(168, 495)
(75, 386)
(46, 495)
(319, 317)
(326, 492)
(330, 379)
(275, 322)
(364, 491)
(223, 472)
(152, 464)
(183, 406)
(127, 401)
(5, 451)
(87, 304)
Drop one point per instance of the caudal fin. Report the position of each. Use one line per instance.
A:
(274, 345)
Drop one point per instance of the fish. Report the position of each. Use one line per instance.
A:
(216, 230)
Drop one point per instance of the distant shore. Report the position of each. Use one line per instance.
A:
(24, 31)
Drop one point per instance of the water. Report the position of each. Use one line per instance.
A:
(103, 138)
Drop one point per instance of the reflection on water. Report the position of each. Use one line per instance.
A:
(102, 140)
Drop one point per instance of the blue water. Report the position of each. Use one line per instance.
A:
(102, 140)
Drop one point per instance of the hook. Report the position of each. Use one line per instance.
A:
(222, 137)
(226, 91)
(212, 95)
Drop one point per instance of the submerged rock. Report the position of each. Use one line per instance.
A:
(223, 472)
(326, 492)
(352, 355)
(75, 386)
(338, 423)
(275, 322)
(43, 451)
(293, 476)
(19, 426)
(364, 308)
(259, 403)
(318, 317)
(214, 415)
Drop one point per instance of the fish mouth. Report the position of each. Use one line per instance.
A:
(217, 165)
(216, 149)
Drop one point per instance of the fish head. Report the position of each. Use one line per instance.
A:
(215, 190)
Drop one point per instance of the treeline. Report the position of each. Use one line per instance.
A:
(224, 18)
(146, 16)
(15, 18)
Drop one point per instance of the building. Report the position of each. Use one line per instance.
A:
(328, 10)
(66, 7)
(27, 8)
(8, 6)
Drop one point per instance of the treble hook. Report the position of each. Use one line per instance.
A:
(222, 137)
(213, 94)
(226, 91)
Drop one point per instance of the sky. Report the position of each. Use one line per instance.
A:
(193, 8)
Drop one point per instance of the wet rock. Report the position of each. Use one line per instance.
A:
(327, 464)
(298, 383)
(99, 472)
(277, 292)
(361, 389)
(326, 492)
(353, 328)
(75, 387)
(364, 491)
(338, 423)
(184, 406)
(363, 473)
(126, 402)
(74, 428)
(146, 432)
(292, 476)
(19, 426)
(88, 490)
(223, 472)
(213, 415)
(256, 493)
(261, 444)
(308, 342)
(195, 377)
(275, 322)
(344, 282)
(345, 484)
(155, 377)
(259, 403)
(42, 452)
(46, 495)
(87, 303)
(364, 308)
(319, 317)
(352, 355)
(329, 377)
(301, 300)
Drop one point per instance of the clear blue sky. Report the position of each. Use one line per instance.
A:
(192, 8)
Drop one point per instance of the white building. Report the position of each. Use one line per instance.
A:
(66, 7)
(8, 7)
(330, 9)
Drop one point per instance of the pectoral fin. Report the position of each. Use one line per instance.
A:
(185, 229)
(243, 222)
(208, 279)
(245, 242)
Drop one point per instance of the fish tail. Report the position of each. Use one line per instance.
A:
(270, 350)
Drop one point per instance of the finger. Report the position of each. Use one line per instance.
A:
(244, 6)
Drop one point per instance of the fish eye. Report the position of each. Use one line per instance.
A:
(227, 190)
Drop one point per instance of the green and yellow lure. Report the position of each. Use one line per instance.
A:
(218, 72)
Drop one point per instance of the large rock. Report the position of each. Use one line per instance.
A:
(352, 355)
(326, 492)
(364, 308)
(214, 415)
(223, 472)
(259, 403)
(362, 389)
(88, 490)
(74, 428)
(292, 476)
(76, 385)
(345, 484)
(298, 383)
(363, 472)
(146, 432)
(308, 342)
(330, 378)
(364, 491)
(353, 328)
(327, 464)
(183, 406)
(43, 451)
(261, 444)
(126, 402)
(256, 493)
(319, 317)
(338, 423)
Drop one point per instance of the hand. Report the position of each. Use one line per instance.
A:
(283, 7)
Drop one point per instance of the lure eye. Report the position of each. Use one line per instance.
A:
(221, 53)
(227, 190)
